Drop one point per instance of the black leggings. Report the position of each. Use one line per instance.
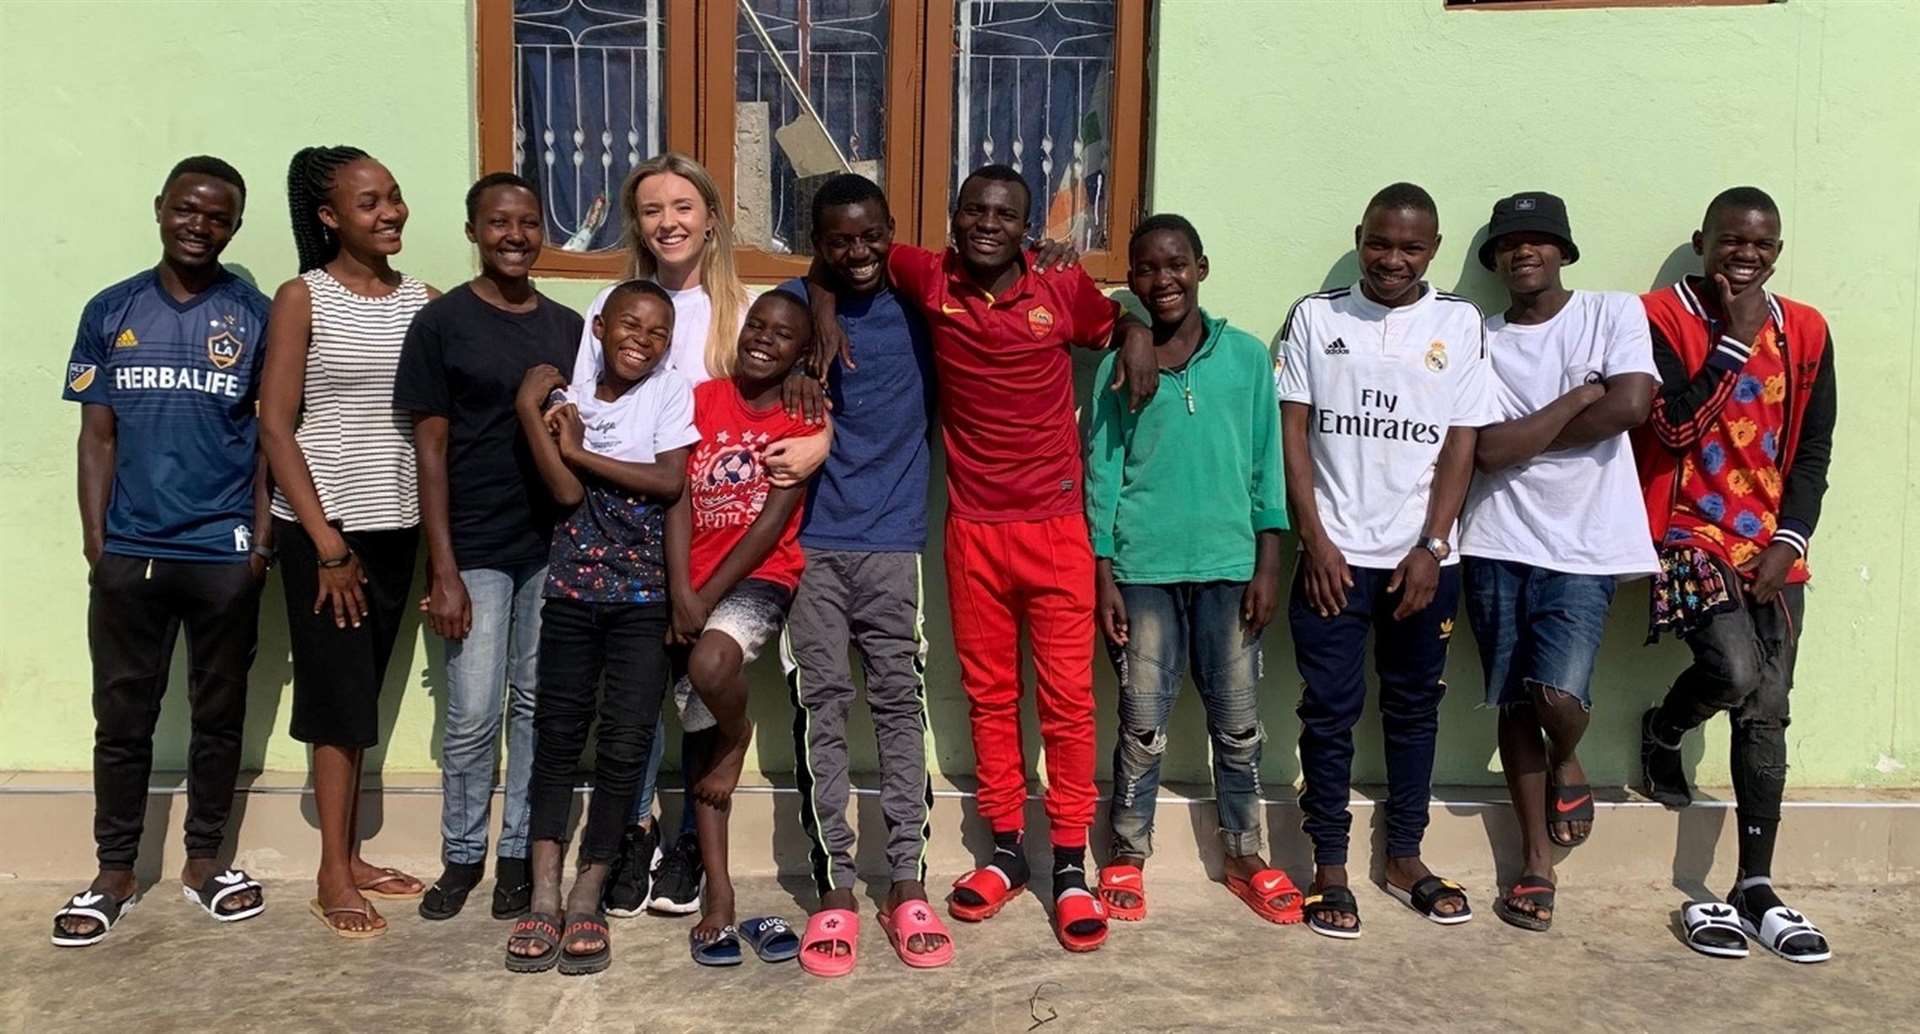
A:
(580, 643)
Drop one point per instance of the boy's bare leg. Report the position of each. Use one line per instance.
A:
(715, 671)
(710, 823)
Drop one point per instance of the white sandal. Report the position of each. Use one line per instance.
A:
(1703, 916)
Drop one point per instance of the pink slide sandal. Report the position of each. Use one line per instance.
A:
(830, 926)
(917, 918)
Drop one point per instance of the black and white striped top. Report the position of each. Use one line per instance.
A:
(358, 446)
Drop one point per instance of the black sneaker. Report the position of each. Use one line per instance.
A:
(628, 882)
(1662, 774)
(677, 880)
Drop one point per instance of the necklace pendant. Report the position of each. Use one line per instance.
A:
(1189, 393)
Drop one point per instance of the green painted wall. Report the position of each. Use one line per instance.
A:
(1275, 120)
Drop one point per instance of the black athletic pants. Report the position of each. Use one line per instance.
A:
(134, 614)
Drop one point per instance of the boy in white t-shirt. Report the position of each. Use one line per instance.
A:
(612, 451)
(1554, 520)
(1382, 386)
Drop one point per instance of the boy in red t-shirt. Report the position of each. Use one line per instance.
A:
(1017, 549)
(733, 559)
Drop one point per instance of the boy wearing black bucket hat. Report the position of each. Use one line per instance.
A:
(1552, 522)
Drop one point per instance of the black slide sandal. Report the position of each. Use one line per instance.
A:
(223, 885)
(1427, 892)
(91, 904)
(576, 964)
(1337, 901)
(1570, 804)
(543, 928)
(1533, 889)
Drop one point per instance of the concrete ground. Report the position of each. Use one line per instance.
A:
(1201, 962)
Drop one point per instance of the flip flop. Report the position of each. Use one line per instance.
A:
(221, 886)
(1570, 804)
(1124, 879)
(389, 875)
(1079, 906)
(991, 886)
(1535, 890)
(325, 915)
(771, 938)
(723, 950)
(830, 926)
(1427, 892)
(91, 904)
(593, 925)
(917, 918)
(544, 929)
(1265, 892)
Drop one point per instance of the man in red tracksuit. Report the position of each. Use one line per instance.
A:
(1017, 549)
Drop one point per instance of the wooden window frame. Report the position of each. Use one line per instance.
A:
(918, 158)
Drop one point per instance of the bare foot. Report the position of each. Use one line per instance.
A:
(1325, 876)
(336, 890)
(384, 881)
(717, 917)
(1116, 897)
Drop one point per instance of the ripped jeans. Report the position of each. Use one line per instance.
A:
(1743, 665)
(1168, 626)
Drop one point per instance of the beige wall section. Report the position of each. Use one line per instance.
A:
(1274, 122)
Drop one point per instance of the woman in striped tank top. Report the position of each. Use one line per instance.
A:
(346, 516)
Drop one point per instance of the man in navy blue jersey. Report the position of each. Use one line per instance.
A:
(173, 514)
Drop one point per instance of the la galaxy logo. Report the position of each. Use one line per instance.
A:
(1437, 356)
(1039, 321)
(223, 345)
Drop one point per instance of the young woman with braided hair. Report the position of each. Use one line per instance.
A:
(346, 516)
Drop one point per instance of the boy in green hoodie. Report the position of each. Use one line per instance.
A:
(1186, 505)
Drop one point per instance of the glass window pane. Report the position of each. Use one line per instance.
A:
(589, 103)
(1032, 89)
(786, 145)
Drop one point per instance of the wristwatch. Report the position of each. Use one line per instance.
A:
(1438, 547)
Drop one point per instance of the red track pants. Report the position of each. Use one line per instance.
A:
(1038, 573)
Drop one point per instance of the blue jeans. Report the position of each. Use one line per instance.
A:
(493, 669)
(1409, 656)
(1536, 627)
(1169, 626)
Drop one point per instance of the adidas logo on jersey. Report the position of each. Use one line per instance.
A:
(126, 339)
(1335, 347)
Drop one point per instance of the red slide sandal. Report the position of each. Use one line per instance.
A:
(1078, 906)
(1271, 895)
(1124, 879)
(991, 886)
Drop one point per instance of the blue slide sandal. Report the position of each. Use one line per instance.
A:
(771, 939)
(723, 950)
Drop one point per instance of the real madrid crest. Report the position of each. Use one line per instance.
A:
(223, 345)
(1437, 356)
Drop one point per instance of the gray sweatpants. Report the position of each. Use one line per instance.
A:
(871, 601)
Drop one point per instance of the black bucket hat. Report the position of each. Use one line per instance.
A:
(1530, 211)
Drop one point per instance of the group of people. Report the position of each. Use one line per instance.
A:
(626, 508)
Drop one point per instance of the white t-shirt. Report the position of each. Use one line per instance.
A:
(654, 416)
(1578, 511)
(1384, 385)
(692, 315)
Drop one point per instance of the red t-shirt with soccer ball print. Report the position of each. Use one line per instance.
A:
(727, 483)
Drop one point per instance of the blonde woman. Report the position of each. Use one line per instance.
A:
(678, 236)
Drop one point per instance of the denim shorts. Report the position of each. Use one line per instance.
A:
(1536, 626)
(750, 614)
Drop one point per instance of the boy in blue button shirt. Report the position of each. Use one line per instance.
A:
(866, 523)
(173, 519)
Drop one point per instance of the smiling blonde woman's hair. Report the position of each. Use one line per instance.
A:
(718, 277)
